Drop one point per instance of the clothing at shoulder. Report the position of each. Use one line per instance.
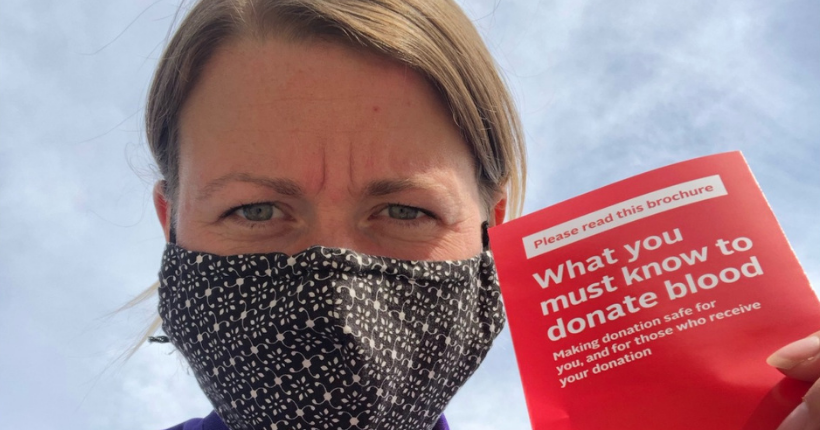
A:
(213, 422)
(210, 422)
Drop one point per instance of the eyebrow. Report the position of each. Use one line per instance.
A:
(280, 185)
(387, 187)
(290, 188)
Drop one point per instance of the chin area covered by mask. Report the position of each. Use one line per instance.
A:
(329, 338)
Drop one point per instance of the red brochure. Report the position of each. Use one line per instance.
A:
(653, 303)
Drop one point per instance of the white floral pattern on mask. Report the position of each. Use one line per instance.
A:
(329, 338)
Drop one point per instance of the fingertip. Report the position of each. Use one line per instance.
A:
(795, 353)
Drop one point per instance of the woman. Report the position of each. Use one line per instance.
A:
(329, 169)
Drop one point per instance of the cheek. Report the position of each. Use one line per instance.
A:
(185, 217)
(187, 212)
(464, 238)
(464, 246)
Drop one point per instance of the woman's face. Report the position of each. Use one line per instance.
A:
(284, 145)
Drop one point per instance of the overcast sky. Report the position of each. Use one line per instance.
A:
(606, 90)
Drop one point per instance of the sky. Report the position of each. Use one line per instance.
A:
(606, 90)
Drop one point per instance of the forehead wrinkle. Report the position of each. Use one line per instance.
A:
(280, 185)
(350, 160)
(323, 171)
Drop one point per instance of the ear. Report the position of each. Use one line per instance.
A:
(499, 211)
(163, 207)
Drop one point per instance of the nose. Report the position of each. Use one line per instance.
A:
(332, 231)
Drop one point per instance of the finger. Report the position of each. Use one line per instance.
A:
(812, 402)
(799, 359)
(807, 415)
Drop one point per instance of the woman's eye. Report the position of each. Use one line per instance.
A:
(402, 212)
(257, 212)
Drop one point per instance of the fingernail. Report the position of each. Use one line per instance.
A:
(797, 420)
(795, 353)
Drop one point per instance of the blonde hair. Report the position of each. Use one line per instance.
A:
(433, 37)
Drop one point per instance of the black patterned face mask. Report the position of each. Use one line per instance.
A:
(329, 338)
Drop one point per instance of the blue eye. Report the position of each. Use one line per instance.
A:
(256, 212)
(402, 212)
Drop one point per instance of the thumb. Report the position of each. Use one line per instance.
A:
(799, 359)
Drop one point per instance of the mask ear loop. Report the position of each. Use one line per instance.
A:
(485, 235)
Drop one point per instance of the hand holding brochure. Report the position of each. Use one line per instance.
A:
(652, 303)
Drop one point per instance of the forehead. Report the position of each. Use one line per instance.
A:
(318, 111)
